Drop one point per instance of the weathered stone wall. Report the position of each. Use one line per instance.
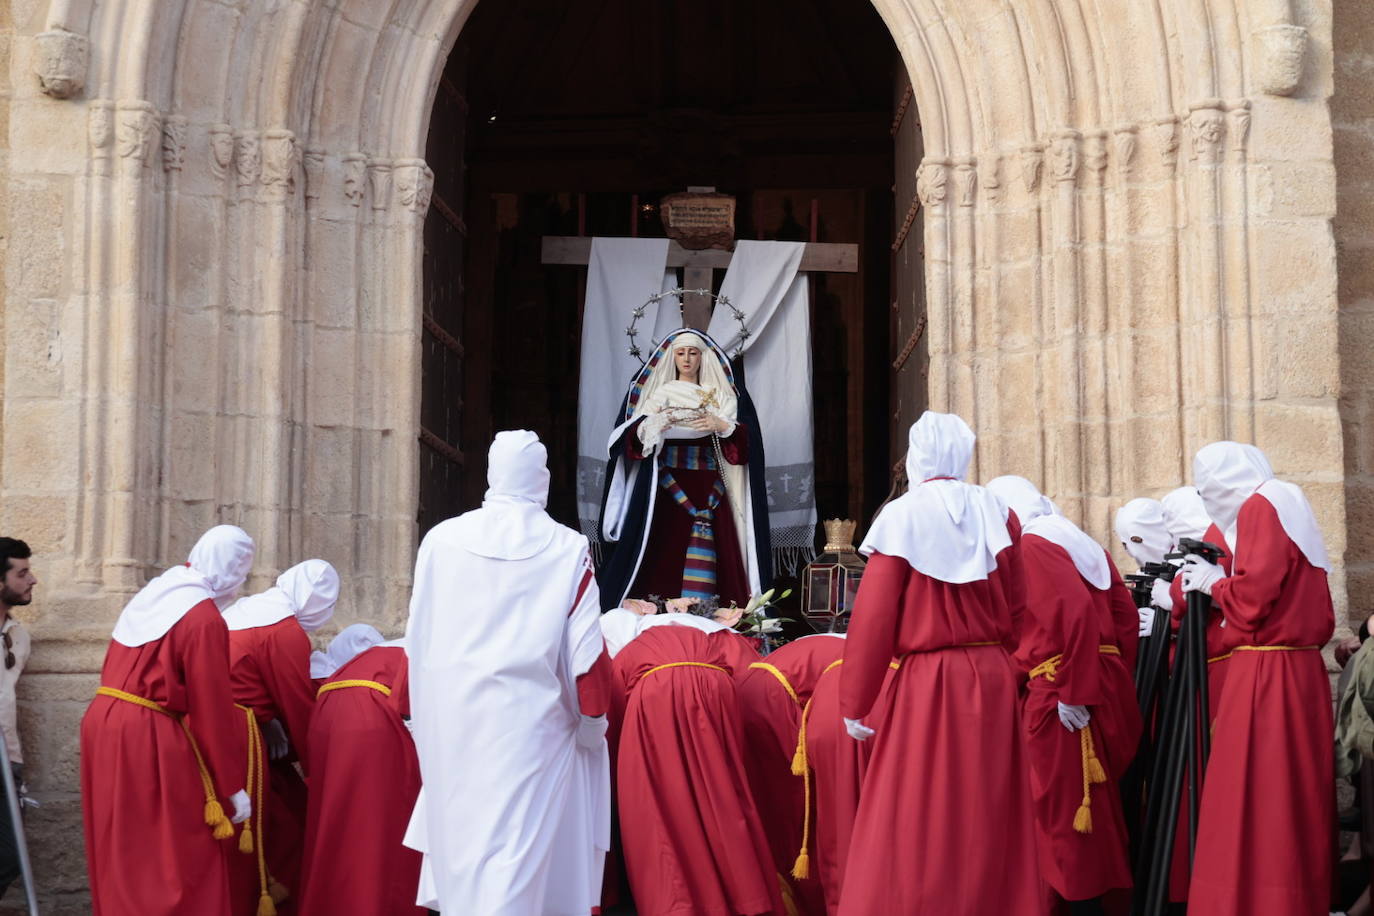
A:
(212, 299)
(1352, 115)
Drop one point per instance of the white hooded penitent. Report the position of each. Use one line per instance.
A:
(1041, 517)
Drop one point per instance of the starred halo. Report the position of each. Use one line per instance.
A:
(637, 313)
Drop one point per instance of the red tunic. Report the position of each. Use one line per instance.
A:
(692, 840)
(838, 765)
(944, 824)
(364, 778)
(772, 695)
(1220, 641)
(1068, 617)
(148, 850)
(660, 571)
(1265, 828)
(270, 670)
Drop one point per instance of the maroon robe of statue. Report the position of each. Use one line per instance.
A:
(772, 696)
(364, 778)
(691, 837)
(944, 822)
(1094, 632)
(692, 463)
(1264, 831)
(148, 849)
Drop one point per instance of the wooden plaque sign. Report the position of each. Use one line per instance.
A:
(699, 220)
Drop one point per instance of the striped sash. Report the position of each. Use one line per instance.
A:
(699, 566)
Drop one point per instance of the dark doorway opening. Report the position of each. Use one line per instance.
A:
(575, 117)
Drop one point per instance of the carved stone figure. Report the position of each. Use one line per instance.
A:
(60, 60)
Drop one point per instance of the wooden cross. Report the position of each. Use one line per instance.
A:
(699, 266)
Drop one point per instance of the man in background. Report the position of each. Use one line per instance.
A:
(16, 590)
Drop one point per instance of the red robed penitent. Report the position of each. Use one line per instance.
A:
(148, 849)
(691, 836)
(944, 824)
(1265, 828)
(772, 695)
(364, 778)
(1067, 617)
(269, 668)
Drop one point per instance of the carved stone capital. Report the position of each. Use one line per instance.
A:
(354, 172)
(1206, 128)
(932, 183)
(221, 149)
(174, 143)
(313, 161)
(1095, 152)
(990, 176)
(1280, 52)
(1164, 132)
(379, 182)
(136, 131)
(1238, 127)
(1125, 139)
(279, 162)
(966, 181)
(100, 127)
(414, 184)
(1064, 156)
(60, 60)
(1032, 164)
(247, 157)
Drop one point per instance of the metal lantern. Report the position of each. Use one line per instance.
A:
(831, 581)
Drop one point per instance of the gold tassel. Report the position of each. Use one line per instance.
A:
(1095, 771)
(246, 839)
(799, 755)
(224, 829)
(1083, 819)
(266, 907)
(801, 869)
(214, 815)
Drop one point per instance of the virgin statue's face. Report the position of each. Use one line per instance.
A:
(688, 362)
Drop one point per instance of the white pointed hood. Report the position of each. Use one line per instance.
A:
(1185, 515)
(308, 591)
(1143, 530)
(945, 528)
(1041, 517)
(512, 523)
(1229, 473)
(217, 566)
(350, 642)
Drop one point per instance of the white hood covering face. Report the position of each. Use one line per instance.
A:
(1229, 473)
(1185, 515)
(620, 626)
(512, 523)
(1143, 530)
(350, 642)
(308, 591)
(945, 528)
(1041, 517)
(218, 565)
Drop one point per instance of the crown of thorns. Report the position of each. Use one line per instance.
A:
(632, 331)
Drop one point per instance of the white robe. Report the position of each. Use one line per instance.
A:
(514, 813)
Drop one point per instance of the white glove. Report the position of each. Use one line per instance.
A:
(591, 732)
(1159, 595)
(277, 744)
(1147, 619)
(243, 807)
(857, 730)
(1074, 718)
(1200, 575)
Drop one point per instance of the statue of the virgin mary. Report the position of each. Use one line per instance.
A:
(685, 509)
